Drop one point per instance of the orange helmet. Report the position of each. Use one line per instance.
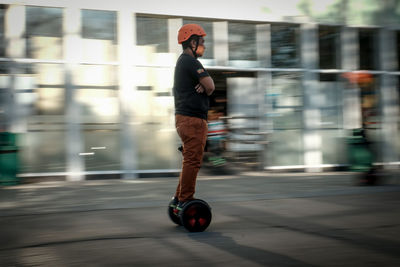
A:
(188, 30)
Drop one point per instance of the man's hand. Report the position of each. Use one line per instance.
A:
(208, 85)
(199, 88)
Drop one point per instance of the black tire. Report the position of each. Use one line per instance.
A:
(195, 215)
(174, 218)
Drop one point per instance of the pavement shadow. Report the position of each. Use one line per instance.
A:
(352, 236)
(256, 255)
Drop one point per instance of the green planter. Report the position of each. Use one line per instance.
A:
(360, 155)
(8, 159)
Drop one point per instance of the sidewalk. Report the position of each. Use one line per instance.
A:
(62, 196)
(259, 219)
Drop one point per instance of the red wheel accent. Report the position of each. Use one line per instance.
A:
(196, 215)
(202, 221)
(191, 211)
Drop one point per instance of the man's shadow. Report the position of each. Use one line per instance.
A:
(252, 254)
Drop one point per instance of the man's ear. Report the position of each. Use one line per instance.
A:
(193, 43)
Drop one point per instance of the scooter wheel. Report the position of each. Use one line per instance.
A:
(174, 217)
(195, 215)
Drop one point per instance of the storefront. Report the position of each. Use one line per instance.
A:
(88, 86)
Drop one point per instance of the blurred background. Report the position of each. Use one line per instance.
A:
(86, 86)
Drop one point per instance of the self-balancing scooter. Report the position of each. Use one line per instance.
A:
(195, 215)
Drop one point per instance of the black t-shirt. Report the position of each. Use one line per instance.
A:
(188, 102)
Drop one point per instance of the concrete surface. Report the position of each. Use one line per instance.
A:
(259, 219)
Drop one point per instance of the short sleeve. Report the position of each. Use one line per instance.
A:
(197, 70)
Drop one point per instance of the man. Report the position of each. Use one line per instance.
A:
(192, 87)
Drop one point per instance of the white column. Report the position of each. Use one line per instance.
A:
(14, 30)
(263, 38)
(14, 23)
(221, 46)
(72, 55)
(388, 50)
(127, 40)
(389, 96)
(349, 48)
(350, 62)
(312, 140)
(173, 27)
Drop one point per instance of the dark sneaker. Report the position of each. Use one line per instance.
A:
(174, 202)
(179, 207)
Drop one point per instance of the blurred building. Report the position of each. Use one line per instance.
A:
(88, 84)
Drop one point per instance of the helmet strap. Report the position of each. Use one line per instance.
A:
(196, 39)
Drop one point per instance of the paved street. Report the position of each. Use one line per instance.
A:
(259, 219)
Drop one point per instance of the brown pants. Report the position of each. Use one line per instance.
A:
(193, 133)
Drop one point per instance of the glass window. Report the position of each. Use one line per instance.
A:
(97, 97)
(209, 42)
(5, 96)
(97, 94)
(398, 50)
(4, 68)
(329, 99)
(285, 148)
(398, 115)
(285, 46)
(329, 57)
(2, 43)
(99, 35)
(50, 89)
(98, 24)
(333, 147)
(158, 143)
(44, 148)
(286, 100)
(103, 146)
(152, 31)
(154, 116)
(368, 49)
(44, 32)
(242, 41)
